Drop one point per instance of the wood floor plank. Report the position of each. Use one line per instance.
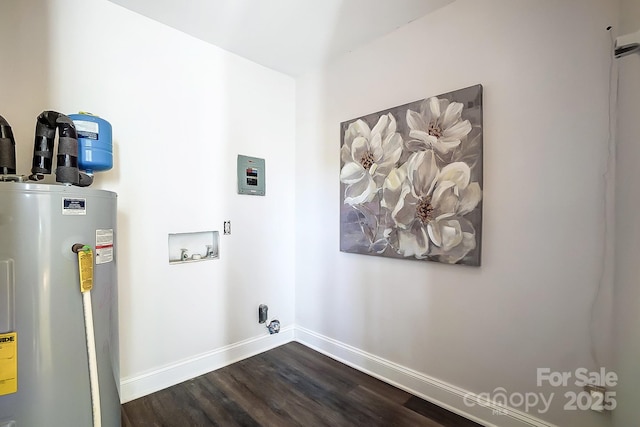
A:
(124, 418)
(386, 413)
(188, 411)
(241, 387)
(144, 412)
(176, 408)
(319, 393)
(291, 385)
(297, 391)
(436, 413)
(302, 397)
(220, 408)
(324, 365)
(314, 366)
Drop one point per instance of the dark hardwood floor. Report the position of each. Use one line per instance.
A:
(290, 385)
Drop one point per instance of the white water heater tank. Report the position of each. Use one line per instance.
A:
(42, 324)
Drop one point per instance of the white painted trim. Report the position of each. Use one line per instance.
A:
(158, 379)
(431, 389)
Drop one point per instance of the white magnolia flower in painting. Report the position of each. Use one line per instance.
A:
(438, 126)
(427, 206)
(368, 155)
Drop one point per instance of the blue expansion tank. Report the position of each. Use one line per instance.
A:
(95, 146)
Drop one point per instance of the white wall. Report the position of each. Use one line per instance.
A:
(627, 286)
(24, 73)
(544, 67)
(181, 111)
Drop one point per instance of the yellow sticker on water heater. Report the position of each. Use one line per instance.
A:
(85, 267)
(8, 363)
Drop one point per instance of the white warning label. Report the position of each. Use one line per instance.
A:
(85, 129)
(104, 246)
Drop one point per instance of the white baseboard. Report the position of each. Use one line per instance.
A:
(442, 394)
(431, 389)
(158, 379)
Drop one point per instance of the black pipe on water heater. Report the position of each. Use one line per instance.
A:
(43, 146)
(67, 166)
(7, 149)
(67, 158)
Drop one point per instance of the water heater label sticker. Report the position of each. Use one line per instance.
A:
(8, 363)
(104, 246)
(74, 206)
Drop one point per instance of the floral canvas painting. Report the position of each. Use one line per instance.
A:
(411, 180)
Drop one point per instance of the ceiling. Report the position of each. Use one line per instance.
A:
(290, 36)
